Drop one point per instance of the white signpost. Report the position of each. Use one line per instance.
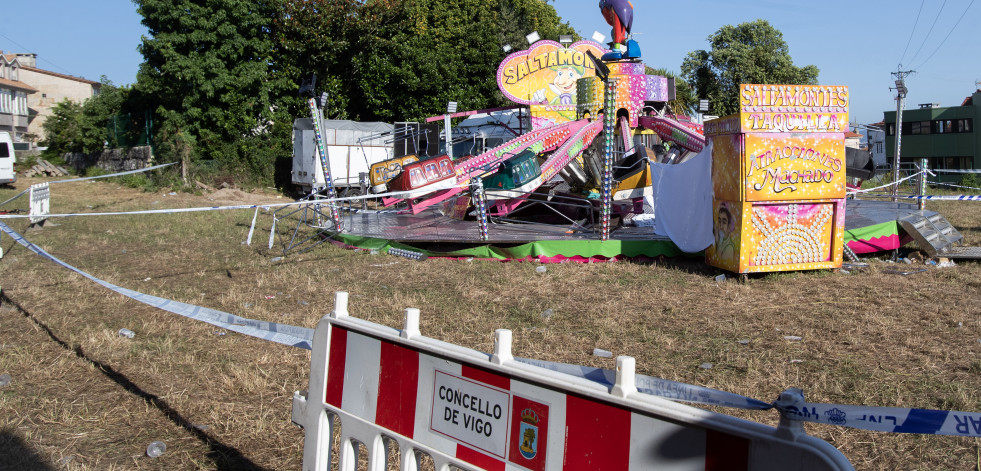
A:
(380, 388)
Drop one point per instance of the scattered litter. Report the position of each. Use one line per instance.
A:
(931, 262)
(469, 259)
(5, 380)
(907, 261)
(172, 193)
(705, 366)
(156, 449)
(373, 251)
(743, 341)
(720, 278)
(219, 332)
(960, 324)
(385, 264)
(854, 265)
(127, 333)
(945, 263)
(275, 259)
(201, 427)
(146, 279)
(904, 272)
(270, 296)
(599, 352)
(540, 269)
(844, 272)
(547, 314)
(304, 303)
(797, 361)
(247, 305)
(792, 338)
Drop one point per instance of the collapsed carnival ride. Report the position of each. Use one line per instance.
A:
(594, 145)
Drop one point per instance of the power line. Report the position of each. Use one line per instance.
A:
(912, 32)
(948, 34)
(928, 32)
(27, 49)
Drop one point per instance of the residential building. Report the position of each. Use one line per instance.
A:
(14, 106)
(945, 136)
(52, 88)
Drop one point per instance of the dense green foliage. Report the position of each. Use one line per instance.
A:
(207, 76)
(220, 77)
(752, 52)
(401, 60)
(74, 127)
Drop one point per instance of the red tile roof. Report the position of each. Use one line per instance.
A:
(17, 85)
(56, 74)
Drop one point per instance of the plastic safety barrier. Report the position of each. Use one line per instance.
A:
(380, 387)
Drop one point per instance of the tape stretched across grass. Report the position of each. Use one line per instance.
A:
(293, 336)
(883, 419)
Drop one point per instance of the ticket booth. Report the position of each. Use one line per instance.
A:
(778, 176)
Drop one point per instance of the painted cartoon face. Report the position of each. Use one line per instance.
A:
(565, 79)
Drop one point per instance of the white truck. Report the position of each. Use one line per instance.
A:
(7, 159)
(351, 149)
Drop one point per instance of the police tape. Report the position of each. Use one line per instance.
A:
(887, 185)
(266, 206)
(118, 174)
(665, 388)
(881, 419)
(944, 197)
(300, 337)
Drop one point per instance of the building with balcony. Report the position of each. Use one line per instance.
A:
(14, 108)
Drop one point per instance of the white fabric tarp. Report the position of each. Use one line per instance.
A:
(683, 201)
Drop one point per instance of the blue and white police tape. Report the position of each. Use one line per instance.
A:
(119, 174)
(300, 337)
(882, 419)
(944, 197)
(667, 389)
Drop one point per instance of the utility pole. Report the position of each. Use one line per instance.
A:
(901, 91)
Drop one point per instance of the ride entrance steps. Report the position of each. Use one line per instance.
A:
(936, 236)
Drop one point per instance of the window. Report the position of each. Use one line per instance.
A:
(431, 172)
(891, 130)
(964, 125)
(920, 127)
(415, 177)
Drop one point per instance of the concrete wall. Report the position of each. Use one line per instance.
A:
(112, 160)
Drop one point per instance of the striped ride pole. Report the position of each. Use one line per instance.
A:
(324, 163)
(609, 127)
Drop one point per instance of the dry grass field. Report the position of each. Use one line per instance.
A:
(81, 397)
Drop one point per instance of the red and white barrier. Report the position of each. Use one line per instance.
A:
(470, 410)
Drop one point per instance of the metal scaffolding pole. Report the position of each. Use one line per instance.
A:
(901, 91)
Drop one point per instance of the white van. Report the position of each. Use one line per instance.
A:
(7, 158)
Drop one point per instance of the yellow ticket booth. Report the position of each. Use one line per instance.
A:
(778, 176)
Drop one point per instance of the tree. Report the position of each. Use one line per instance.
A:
(395, 60)
(206, 73)
(752, 52)
(63, 129)
(96, 113)
(685, 101)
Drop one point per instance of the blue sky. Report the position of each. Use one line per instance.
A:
(853, 43)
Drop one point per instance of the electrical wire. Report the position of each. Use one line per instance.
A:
(942, 5)
(916, 22)
(948, 35)
(26, 49)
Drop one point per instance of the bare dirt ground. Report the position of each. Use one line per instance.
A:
(82, 397)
